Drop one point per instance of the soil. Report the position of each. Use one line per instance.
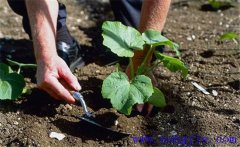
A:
(212, 64)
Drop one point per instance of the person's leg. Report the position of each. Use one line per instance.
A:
(128, 12)
(67, 47)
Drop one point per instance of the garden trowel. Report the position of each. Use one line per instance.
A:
(89, 119)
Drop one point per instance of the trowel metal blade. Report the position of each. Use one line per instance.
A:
(90, 121)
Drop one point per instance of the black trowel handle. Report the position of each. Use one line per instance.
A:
(78, 96)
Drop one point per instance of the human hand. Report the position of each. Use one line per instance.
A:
(142, 107)
(54, 77)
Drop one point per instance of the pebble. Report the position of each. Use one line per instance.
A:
(193, 37)
(15, 123)
(97, 71)
(69, 107)
(161, 129)
(193, 103)
(189, 38)
(173, 133)
(79, 20)
(214, 92)
(115, 122)
(193, 120)
(73, 28)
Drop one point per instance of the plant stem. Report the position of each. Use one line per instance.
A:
(235, 41)
(146, 58)
(150, 50)
(152, 67)
(131, 68)
(21, 64)
(19, 69)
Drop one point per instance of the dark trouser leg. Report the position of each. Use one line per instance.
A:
(127, 11)
(62, 31)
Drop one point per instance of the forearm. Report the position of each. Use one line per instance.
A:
(43, 17)
(153, 16)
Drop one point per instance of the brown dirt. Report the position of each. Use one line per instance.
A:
(211, 63)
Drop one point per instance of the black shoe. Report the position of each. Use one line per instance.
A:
(71, 54)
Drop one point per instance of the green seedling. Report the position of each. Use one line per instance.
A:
(219, 4)
(12, 83)
(231, 36)
(123, 41)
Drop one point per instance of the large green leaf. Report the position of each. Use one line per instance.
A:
(11, 84)
(123, 93)
(121, 39)
(173, 64)
(155, 38)
(157, 99)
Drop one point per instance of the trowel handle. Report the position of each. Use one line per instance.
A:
(78, 96)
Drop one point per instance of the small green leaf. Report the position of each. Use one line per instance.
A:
(173, 64)
(218, 4)
(4, 69)
(155, 38)
(123, 93)
(11, 84)
(157, 99)
(121, 39)
(229, 36)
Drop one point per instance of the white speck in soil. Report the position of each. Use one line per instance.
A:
(68, 107)
(214, 92)
(173, 133)
(15, 123)
(189, 38)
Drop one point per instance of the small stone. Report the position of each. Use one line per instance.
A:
(193, 120)
(220, 23)
(193, 103)
(227, 25)
(214, 92)
(73, 28)
(115, 122)
(189, 38)
(15, 123)
(161, 129)
(193, 37)
(58, 136)
(79, 20)
(234, 117)
(97, 71)
(0, 124)
(173, 133)
(69, 107)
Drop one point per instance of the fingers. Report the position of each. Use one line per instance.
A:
(53, 87)
(70, 79)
